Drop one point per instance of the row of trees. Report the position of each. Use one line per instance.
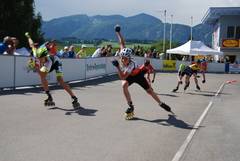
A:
(18, 17)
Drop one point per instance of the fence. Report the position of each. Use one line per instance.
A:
(14, 72)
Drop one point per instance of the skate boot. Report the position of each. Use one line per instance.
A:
(175, 90)
(166, 107)
(75, 102)
(198, 88)
(129, 113)
(49, 102)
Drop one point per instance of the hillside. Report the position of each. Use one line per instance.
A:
(140, 27)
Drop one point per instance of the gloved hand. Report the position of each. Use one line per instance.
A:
(44, 69)
(27, 35)
(203, 81)
(115, 63)
(153, 81)
(180, 82)
(117, 28)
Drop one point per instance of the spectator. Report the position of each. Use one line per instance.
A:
(4, 44)
(148, 54)
(99, 52)
(53, 47)
(71, 52)
(117, 52)
(82, 52)
(10, 46)
(109, 50)
(64, 52)
(154, 53)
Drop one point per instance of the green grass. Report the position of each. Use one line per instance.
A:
(90, 48)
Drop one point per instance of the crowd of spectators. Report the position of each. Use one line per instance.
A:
(9, 47)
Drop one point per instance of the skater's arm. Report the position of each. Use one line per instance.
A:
(121, 40)
(154, 74)
(204, 78)
(46, 67)
(122, 75)
(30, 41)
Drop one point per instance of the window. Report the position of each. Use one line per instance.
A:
(230, 32)
(237, 32)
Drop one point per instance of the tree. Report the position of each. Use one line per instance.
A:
(18, 17)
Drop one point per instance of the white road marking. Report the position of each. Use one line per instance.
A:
(182, 149)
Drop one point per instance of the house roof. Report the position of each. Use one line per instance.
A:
(214, 13)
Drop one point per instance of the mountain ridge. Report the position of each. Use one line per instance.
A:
(141, 27)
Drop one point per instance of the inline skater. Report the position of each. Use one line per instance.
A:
(148, 69)
(129, 74)
(48, 63)
(193, 70)
(181, 74)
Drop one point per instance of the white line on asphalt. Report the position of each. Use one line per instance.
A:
(182, 149)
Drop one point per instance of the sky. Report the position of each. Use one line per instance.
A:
(181, 10)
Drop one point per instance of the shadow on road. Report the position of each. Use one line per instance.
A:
(170, 95)
(80, 111)
(79, 85)
(171, 121)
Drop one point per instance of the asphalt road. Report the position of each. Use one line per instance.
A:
(98, 132)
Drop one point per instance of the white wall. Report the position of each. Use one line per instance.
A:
(23, 77)
(95, 67)
(73, 69)
(6, 71)
(216, 67)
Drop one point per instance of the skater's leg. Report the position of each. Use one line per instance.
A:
(44, 81)
(126, 93)
(196, 81)
(49, 100)
(65, 86)
(154, 95)
(156, 98)
(129, 113)
(187, 82)
(180, 76)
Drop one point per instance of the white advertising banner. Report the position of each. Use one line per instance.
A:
(216, 67)
(110, 68)
(24, 77)
(73, 69)
(95, 67)
(234, 68)
(7, 71)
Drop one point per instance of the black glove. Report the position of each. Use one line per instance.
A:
(115, 63)
(203, 81)
(117, 28)
(180, 82)
(153, 81)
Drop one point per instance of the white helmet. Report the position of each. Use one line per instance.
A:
(126, 52)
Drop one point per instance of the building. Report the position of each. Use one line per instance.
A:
(226, 31)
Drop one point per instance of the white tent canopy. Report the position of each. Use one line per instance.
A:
(194, 48)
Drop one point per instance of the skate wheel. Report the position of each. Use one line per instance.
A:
(129, 116)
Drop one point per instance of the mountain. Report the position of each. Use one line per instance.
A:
(140, 27)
